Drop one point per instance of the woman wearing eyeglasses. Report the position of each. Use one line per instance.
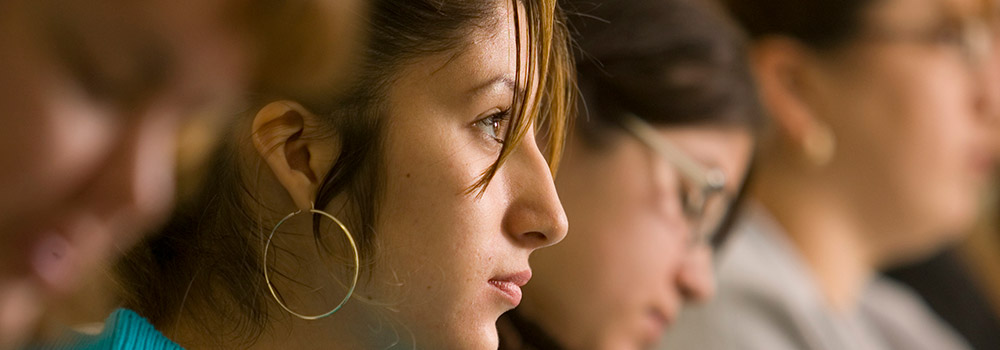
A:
(656, 160)
(879, 150)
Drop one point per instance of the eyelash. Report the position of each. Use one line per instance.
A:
(948, 33)
(498, 121)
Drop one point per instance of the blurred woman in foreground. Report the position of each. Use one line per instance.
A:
(95, 95)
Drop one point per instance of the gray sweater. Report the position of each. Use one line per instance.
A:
(767, 300)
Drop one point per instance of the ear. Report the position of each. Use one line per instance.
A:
(288, 137)
(785, 71)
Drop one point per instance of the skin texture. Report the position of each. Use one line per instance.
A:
(911, 120)
(430, 212)
(625, 271)
(437, 246)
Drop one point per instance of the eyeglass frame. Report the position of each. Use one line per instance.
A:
(975, 40)
(710, 181)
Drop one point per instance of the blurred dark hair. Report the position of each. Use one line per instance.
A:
(671, 63)
(820, 24)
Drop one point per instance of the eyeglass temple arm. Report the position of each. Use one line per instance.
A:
(666, 149)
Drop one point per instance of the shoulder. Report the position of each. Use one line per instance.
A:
(130, 331)
(904, 320)
(766, 299)
(123, 330)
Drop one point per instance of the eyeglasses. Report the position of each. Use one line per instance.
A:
(973, 38)
(702, 196)
(977, 43)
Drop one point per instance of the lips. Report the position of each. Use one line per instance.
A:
(657, 322)
(59, 254)
(663, 318)
(984, 163)
(510, 285)
(50, 260)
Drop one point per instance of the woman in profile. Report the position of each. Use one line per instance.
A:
(656, 162)
(401, 215)
(879, 150)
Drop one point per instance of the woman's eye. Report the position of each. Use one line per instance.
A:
(948, 34)
(495, 125)
(691, 198)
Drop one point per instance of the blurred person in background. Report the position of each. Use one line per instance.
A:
(400, 216)
(658, 157)
(95, 94)
(962, 284)
(879, 152)
(950, 285)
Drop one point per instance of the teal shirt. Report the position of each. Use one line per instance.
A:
(123, 330)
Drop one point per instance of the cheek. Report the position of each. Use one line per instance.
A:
(935, 138)
(424, 212)
(912, 139)
(626, 259)
(620, 247)
(437, 244)
(426, 178)
(55, 142)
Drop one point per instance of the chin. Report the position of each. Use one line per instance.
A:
(911, 254)
(490, 340)
(483, 340)
(956, 220)
(628, 342)
(466, 336)
(486, 337)
(943, 218)
(916, 246)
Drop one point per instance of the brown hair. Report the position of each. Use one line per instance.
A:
(820, 24)
(684, 64)
(206, 262)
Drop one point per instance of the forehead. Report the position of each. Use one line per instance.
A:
(489, 52)
(191, 47)
(922, 11)
(726, 148)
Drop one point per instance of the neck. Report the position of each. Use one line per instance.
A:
(824, 232)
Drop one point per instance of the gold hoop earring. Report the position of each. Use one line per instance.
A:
(820, 145)
(354, 281)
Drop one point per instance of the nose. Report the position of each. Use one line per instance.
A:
(535, 217)
(137, 183)
(987, 87)
(992, 88)
(695, 278)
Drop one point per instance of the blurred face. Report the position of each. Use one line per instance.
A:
(450, 262)
(93, 95)
(628, 266)
(992, 76)
(910, 112)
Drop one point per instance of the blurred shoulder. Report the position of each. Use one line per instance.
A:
(766, 299)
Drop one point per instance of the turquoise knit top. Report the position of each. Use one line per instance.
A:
(123, 330)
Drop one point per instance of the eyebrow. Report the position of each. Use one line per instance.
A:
(506, 80)
(155, 64)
